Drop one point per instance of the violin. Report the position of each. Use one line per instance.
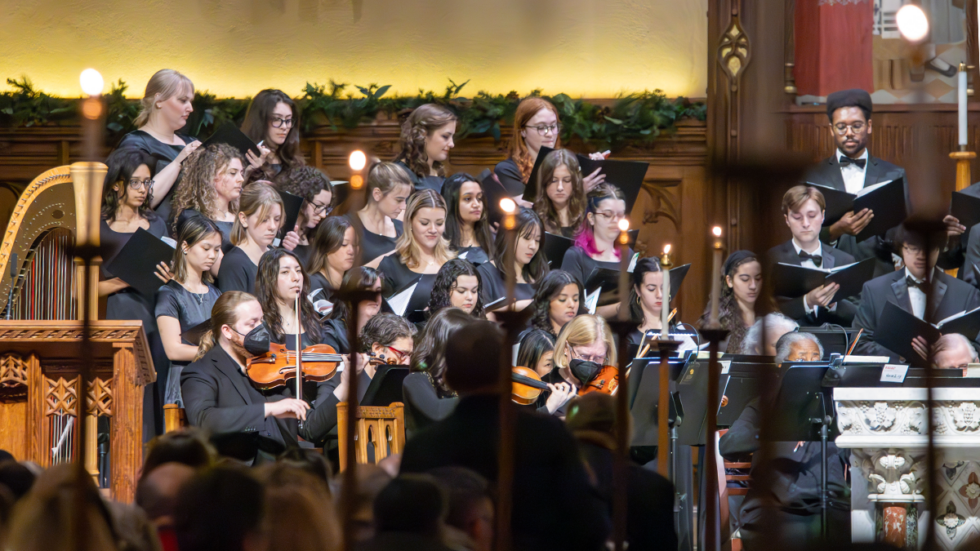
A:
(606, 382)
(279, 365)
(526, 386)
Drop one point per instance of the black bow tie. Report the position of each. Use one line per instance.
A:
(918, 285)
(816, 258)
(845, 160)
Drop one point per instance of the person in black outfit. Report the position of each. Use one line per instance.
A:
(317, 193)
(273, 121)
(256, 225)
(457, 285)
(554, 505)
(782, 507)
(334, 246)
(164, 109)
(803, 210)
(650, 496)
(530, 262)
(467, 225)
(557, 300)
(907, 289)
(219, 397)
(646, 300)
(378, 230)
(426, 138)
(561, 194)
(126, 199)
(422, 249)
(281, 279)
(428, 398)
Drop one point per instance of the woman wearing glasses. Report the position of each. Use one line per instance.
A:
(272, 122)
(314, 187)
(127, 195)
(583, 347)
(536, 124)
(427, 138)
(595, 247)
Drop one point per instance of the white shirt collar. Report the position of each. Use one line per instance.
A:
(909, 274)
(817, 252)
(863, 155)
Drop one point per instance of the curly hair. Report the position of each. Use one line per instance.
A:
(481, 229)
(547, 290)
(385, 328)
(267, 291)
(576, 198)
(122, 164)
(416, 129)
(407, 246)
(729, 313)
(446, 280)
(518, 147)
(196, 190)
(429, 355)
(305, 182)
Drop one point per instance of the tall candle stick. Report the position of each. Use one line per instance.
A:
(665, 265)
(510, 222)
(715, 277)
(624, 264)
(961, 102)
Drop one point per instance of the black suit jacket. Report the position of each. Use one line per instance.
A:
(219, 398)
(793, 307)
(555, 506)
(827, 173)
(949, 296)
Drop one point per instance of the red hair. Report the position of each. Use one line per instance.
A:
(518, 149)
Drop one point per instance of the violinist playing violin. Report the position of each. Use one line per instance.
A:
(245, 423)
(583, 353)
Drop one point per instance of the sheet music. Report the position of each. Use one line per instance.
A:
(592, 300)
(400, 301)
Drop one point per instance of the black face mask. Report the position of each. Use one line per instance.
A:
(257, 340)
(584, 371)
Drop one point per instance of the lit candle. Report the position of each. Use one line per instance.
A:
(715, 277)
(510, 222)
(665, 265)
(624, 264)
(961, 101)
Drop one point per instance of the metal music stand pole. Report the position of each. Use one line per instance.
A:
(712, 534)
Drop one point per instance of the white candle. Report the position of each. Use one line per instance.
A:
(624, 264)
(715, 277)
(665, 308)
(961, 101)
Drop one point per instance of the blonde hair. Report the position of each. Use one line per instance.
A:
(163, 85)
(583, 331)
(407, 247)
(256, 197)
(795, 196)
(384, 176)
(224, 312)
(196, 189)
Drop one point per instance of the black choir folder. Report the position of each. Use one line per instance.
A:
(292, 204)
(896, 329)
(966, 209)
(229, 134)
(628, 176)
(886, 200)
(136, 263)
(606, 282)
(795, 281)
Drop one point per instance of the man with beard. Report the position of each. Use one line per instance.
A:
(245, 423)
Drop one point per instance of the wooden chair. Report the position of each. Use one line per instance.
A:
(724, 477)
(381, 427)
(174, 418)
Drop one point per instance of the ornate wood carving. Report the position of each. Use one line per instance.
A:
(733, 50)
(99, 400)
(13, 377)
(61, 396)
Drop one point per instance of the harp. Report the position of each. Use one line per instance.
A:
(41, 312)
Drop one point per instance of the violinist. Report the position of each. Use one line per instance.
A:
(583, 348)
(529, 264)
(335, 326)
(467, 225)
(537, 352)
(556, 302)
(220, 398)
(280, 280)
(421, 249)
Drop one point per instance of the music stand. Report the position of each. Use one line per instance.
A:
(744, 385)
(386, 386)
(692, 415)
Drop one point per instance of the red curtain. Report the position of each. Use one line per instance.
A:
(833, 46)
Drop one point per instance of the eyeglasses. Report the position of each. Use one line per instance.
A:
(400, 353)
(138, 184)
(320, 209)
(278, 122)
(545, 129)
(593, 358)
(610, 215)
(842, 128)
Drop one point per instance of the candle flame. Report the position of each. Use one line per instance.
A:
(624, 225)
(716, 231)
(358, 160)
(667, 248)
(91, 82)
(356, 181)
(508, 205)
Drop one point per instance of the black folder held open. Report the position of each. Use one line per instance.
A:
(795, 281)
(897, 327)
(136, 263)
(886, 200)
(966, 209)
(628, 176)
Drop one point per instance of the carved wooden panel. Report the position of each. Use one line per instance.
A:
(99, 399)
(13, 377)
(61, 396)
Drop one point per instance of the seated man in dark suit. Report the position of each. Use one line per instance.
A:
(782, 507)
(554, 505)
(907, 289)
(803, 210)
(852, 169)
(219, 397)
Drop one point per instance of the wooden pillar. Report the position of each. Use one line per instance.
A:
(126, 440)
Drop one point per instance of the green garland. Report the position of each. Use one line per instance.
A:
(634, 118)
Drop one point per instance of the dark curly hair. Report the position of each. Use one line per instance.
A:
(445, 282)
(267, 291)
(122, 164)
(481, 229)
(385, 328)
(423, 121)
(305, 182)
(429, 355)
(547, 289)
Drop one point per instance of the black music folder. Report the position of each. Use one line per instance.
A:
(493, 192)
(628, 176)
(229, 133)
(795, 281)
(413, 297)
(136, 263)
(386, 386)
(966, 209)
(531, 189)
(292, 204)
(896, 329)
(555, 247)
(886, 200)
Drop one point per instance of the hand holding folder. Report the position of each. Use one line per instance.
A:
(885, 200)
(136, 263)
(897, 329)
(795, 281)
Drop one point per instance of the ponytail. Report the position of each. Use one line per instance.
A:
(208, 340)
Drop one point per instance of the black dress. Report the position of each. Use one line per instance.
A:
(237, 272)
(164, 155)
(190, 309)
(224, 227)
(424, 403)
(510, 177)
(424, 182)
(335, 334)
(397, 274)
(304, 253)
(374, 245)
(318, 281)
(495, 286)
(476, 255)
(578, 263)
(129, 304)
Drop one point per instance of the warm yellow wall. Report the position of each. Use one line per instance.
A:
(591, 48)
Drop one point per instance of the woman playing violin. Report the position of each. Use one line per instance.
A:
(584, 347)
(536, 352)
(280, 279)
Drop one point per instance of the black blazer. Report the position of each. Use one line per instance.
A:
(964, 251)
(555, 506)
(793, 307)
(950, 296)
(219, 398)
(827, 173)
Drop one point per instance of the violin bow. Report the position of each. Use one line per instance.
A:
(299, 354)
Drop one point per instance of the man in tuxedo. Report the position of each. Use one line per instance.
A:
(250, 425)
(852, 169)
(907, 288)
(554, 504)
(803, 211)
